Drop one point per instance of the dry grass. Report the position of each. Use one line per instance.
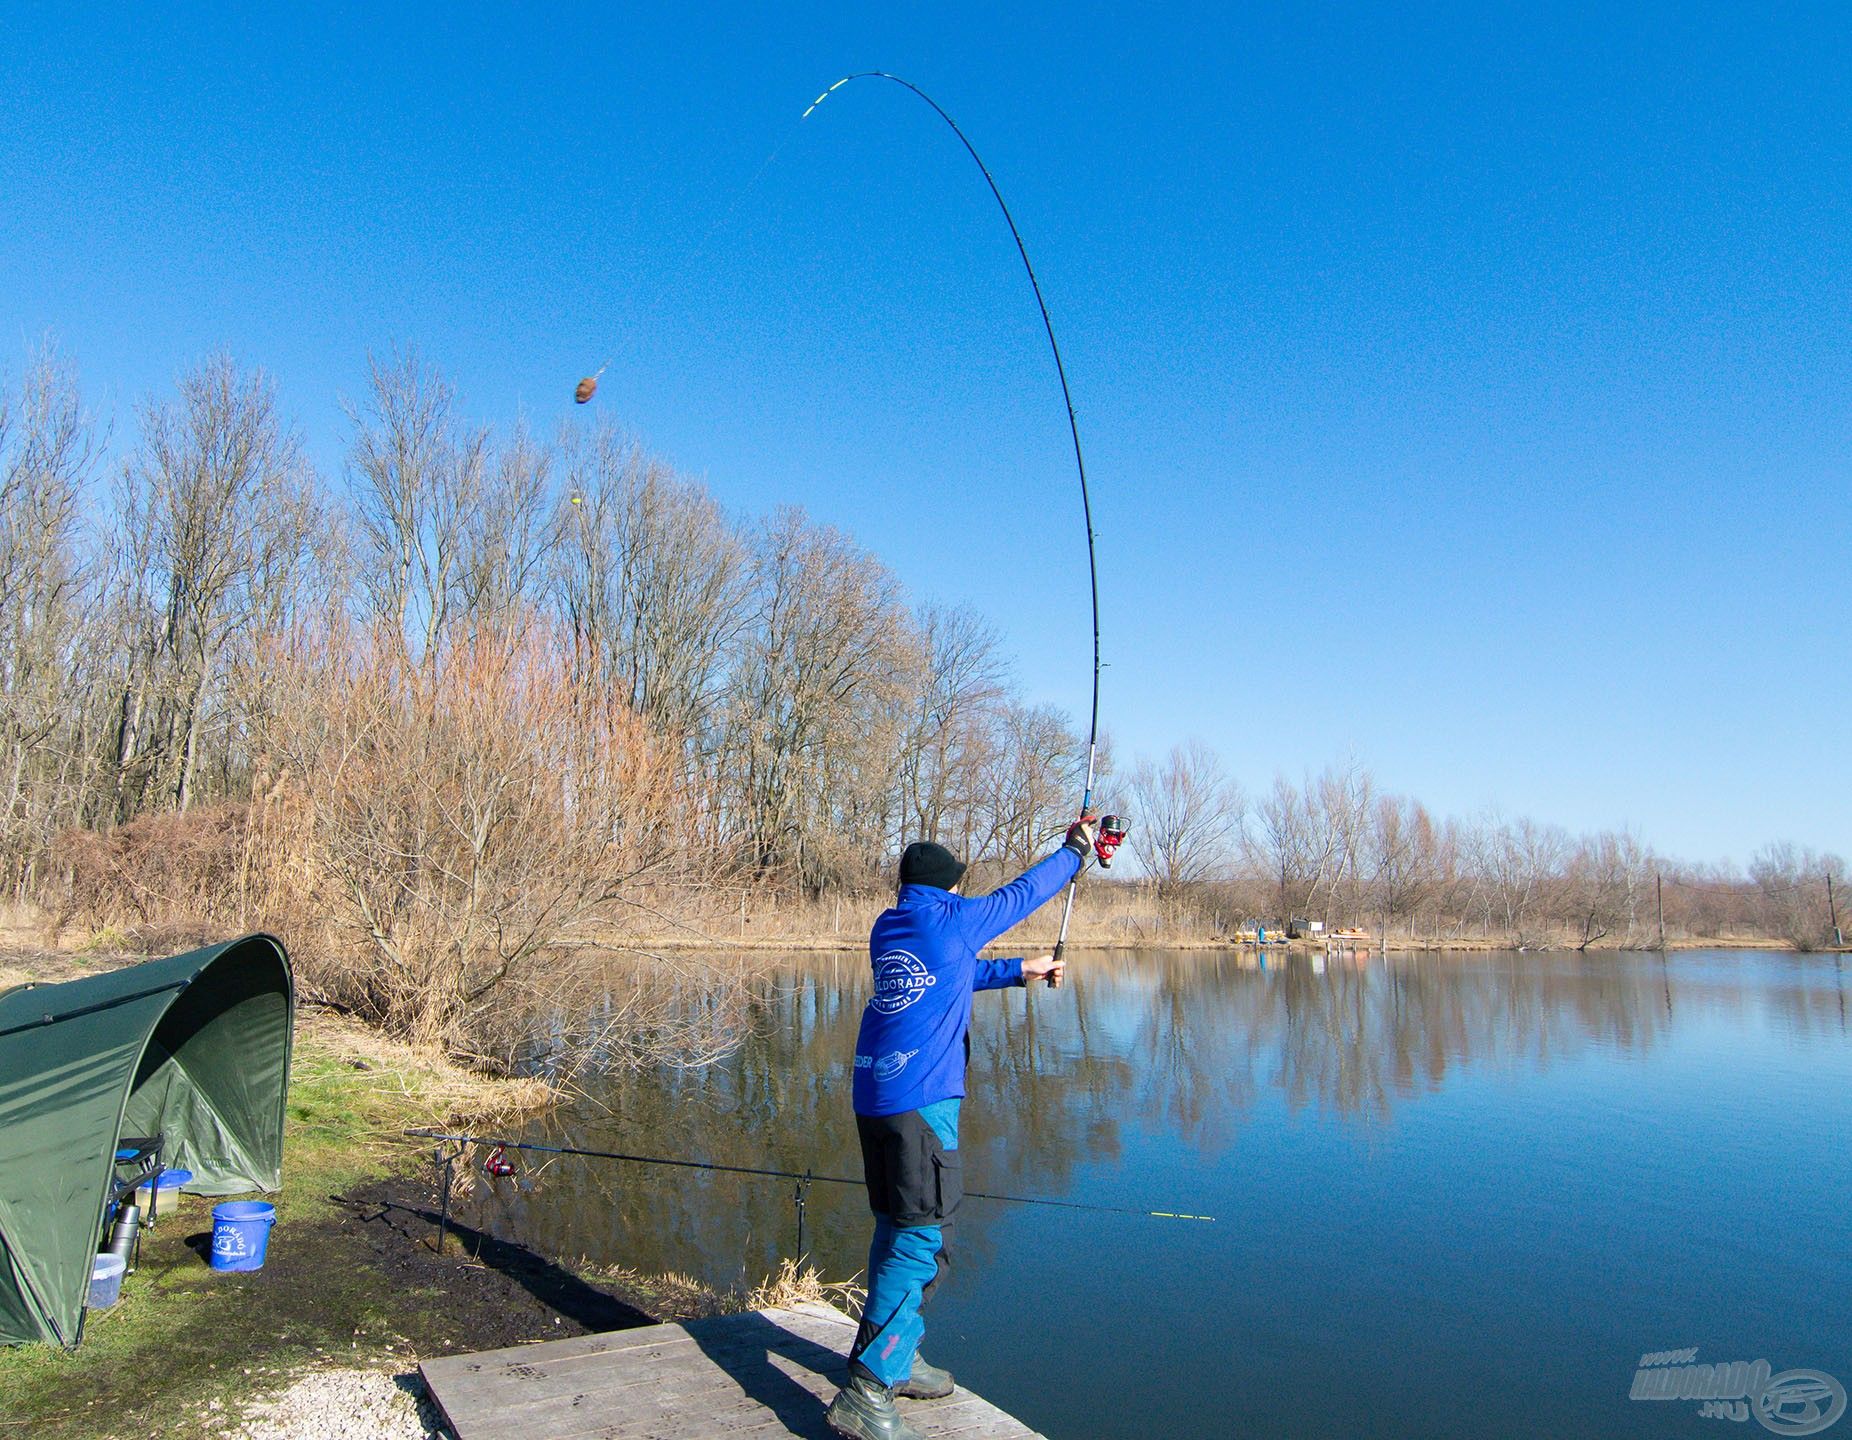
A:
(670, 1295)
(673, 1296)
(791, 1287)
(27, 953)
(22, 927)
(749, 917)
(419, 1081)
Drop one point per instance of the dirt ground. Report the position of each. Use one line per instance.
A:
(363, 1284)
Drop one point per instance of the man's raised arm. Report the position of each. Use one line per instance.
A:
(985, 918)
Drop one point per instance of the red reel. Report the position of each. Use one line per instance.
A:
(1113, 830)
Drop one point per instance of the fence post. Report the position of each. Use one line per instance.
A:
(1832, 910)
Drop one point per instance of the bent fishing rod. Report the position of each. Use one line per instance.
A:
(1080, 466)
(805, 1177)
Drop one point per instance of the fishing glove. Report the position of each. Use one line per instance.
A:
(1080, 836)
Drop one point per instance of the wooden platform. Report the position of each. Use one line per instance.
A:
(756, 1376)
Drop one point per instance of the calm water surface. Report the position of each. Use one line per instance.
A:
(1454, 1196)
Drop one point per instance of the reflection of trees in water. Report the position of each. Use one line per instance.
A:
(1180, 1044)
(1813, 1004)
(779, 1101)
(1361, 1037)
(1211, 1033)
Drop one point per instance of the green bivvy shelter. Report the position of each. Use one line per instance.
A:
(194, 1047)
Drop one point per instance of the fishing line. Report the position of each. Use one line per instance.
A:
(1080, 463)
(681, 276)
(805, 1176)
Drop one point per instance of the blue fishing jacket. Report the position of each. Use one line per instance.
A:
(911, 1049)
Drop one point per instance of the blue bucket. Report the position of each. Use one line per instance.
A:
(241, 1234)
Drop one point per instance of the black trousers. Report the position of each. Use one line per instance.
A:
(912, 1178)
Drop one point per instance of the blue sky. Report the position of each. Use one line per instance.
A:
(1464, 389)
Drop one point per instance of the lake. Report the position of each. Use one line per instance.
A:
(1453, 1195)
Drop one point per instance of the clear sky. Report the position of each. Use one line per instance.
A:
(1465, 389)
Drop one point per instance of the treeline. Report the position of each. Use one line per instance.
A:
(467, 694)
(158, 622)
(1338, 848)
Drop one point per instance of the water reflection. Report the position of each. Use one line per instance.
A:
(1184, 1044)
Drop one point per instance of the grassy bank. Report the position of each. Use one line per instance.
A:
(351, 1281)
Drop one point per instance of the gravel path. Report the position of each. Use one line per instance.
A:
(344, 1405)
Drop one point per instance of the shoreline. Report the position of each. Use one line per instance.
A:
(835, 943)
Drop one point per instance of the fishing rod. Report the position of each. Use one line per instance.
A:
(806, 1177)
(1080, 465)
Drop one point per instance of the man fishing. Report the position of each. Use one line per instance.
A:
(910, 1060)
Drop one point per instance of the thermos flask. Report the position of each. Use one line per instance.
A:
(123, 1234)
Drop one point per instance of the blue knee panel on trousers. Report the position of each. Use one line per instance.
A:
(902, 1262)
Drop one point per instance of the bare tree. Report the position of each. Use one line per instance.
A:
(47, 451)
(1290, 841)
(217, 505)
(1403, 858)
(1518, 860)
(505, 540)
(653, 583)
(1790, 886)
(1343, 798)
(952, 717)
(814, 703)
(1602, 883)
(1028, 785)
(417, 477)
(1188, 814)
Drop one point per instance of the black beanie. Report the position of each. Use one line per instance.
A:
(924, 863)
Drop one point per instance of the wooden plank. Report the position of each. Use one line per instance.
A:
(533, 1379)
(732, 1377)
(605, 1343)
(557, 1357)
(723, 1376)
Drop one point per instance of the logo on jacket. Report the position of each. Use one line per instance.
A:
(900, 980)
(888, 1066)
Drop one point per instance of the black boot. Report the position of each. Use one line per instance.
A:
(927, 1382)
(864, 1410)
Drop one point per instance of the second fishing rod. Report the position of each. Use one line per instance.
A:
(497, 1166)
(499, 1145)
